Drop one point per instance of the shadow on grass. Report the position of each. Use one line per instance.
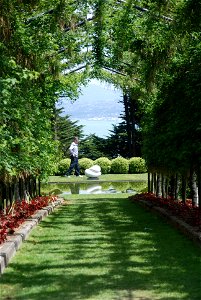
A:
(104, 249)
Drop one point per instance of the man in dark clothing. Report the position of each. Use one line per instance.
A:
(74, 158)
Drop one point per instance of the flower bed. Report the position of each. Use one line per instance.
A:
(184, 211)
(14, 216)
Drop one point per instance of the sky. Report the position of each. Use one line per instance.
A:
(97, 108)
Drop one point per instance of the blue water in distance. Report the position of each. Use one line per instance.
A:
(99, 127)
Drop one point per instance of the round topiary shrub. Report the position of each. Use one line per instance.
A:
(85, 163)
(137, 165)
(119, 165)
(63, 166)
(104, 163)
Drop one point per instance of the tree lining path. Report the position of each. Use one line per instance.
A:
(103, 247)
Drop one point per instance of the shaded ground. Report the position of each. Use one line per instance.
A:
(103, 248)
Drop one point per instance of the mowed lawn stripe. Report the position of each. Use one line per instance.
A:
(103, 247)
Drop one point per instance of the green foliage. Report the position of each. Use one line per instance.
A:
(63, 166)
(137, 165)
(104, 163)
(152, 54)
(175, 143)
(85, 163)
(117, 141)
(30, 76)
(66, 130)
(92, 147)
(119, 165)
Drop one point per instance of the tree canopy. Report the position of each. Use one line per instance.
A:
(149, 49)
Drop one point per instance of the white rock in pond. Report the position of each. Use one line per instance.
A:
(93, 172)
(94, 189)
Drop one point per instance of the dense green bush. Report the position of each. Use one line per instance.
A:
(119, 165)
(85, 163)
(137, 165)
(104, 163)
(63, 166)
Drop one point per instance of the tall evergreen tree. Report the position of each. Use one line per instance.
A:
(66, 130)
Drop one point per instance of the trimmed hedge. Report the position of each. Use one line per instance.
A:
(85, 163)
(63, 166)
(137, 165)
(120, 165)
(104, 163)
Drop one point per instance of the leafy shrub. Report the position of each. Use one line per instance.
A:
(15, 215)
(137, 165)
(85, 163)
(63, 166)
(119, 165)
(104, 163)
(184, 211)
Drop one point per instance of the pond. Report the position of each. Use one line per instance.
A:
(130, 187)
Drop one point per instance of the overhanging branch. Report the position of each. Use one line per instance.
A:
(81, 23)
(142, 9)
(48, 12)
(75, 70)
(146, 10)
(114, 71)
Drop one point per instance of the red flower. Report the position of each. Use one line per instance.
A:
(185, 211)
(20, 211)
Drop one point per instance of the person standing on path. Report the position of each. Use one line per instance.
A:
(74, 158)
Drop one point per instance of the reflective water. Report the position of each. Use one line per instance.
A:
(94, 188)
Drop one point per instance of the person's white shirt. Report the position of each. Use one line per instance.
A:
(74, 149)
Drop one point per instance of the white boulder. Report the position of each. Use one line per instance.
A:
(93, 172)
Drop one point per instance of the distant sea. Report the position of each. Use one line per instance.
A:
(97, 108)
(99, 127)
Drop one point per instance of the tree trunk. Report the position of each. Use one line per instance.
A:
(152, 184)
(16, 194)
(149, 182)
(199, 186)
(176, 195)
(3, 194)
(172, 187)
(166, 187)
(130, 119)
(193, 187)
(159, 186)
(163, 180)
(183, 188)
(39, 187)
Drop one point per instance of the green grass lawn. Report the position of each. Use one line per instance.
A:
(104, 177)
(103, 247)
